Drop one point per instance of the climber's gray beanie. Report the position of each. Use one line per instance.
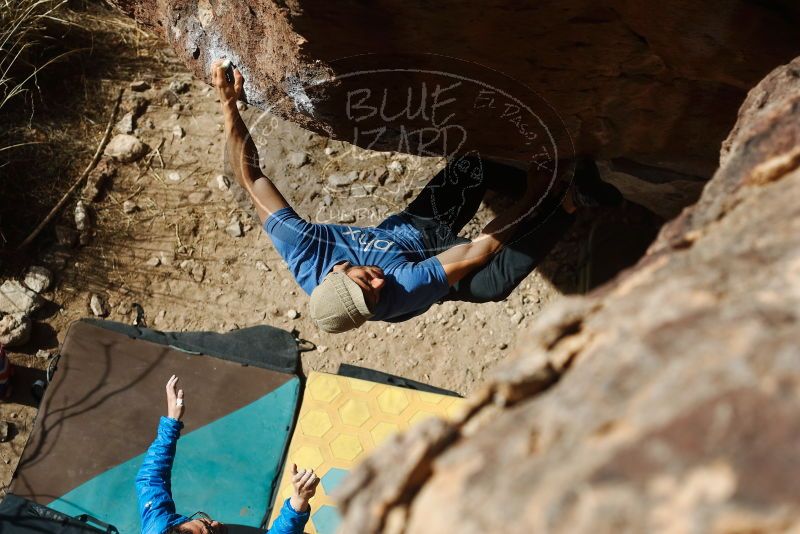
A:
(338, 304)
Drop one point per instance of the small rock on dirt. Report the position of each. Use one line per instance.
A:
(15, 330)
(153, 262)
(330, 151)
(321, 348)
(126, 125)
(261, 266)
(179, 86)
(241, 106)
(125, 148)
(82, 221)
(341, 180)
(174, 176)
(97, 179)
(43, 354)
(297, 159)
(129, 206)
(396, 167)
(38, 278)
(169, 98)
(380, 174)
(223, 183)
(198, 197)
(177, 131)
(234, 229)
(98, 305)
(18, 299)
(139, 86)
(198, 272)
(6, 430)
(517, 318)
(359, 191)
(292, 314)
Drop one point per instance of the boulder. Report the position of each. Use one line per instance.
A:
(656, 83)
(665, 401)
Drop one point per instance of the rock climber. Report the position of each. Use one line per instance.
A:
(153, 486)
(413, 259)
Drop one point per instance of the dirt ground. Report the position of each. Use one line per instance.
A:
(174, 256)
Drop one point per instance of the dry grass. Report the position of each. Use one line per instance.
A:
(60, 68)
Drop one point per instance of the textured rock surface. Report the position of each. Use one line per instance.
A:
(666, 401)
(655, 82)
(15, 298)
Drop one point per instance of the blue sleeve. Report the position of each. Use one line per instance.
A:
(417, 287)
(298, 242)
(290, 233)
(290, 521)
(153, 481)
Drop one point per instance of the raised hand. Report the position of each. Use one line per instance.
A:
(305, 486)
(174, 399)
(228, 92)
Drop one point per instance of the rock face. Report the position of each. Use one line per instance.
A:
(666, 401)
(657, 83)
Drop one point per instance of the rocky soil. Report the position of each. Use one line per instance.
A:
(666, 402)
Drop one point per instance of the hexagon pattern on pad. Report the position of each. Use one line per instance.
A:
(343, 419)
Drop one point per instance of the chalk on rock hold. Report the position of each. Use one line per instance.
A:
(15, 330)
(125, 148)
(98, 305)
(38, 278)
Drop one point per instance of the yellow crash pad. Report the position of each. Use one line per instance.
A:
(343, 419)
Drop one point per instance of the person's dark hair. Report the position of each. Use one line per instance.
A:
(178, 529)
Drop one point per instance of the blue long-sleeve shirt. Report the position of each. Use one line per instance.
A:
(154, 488)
